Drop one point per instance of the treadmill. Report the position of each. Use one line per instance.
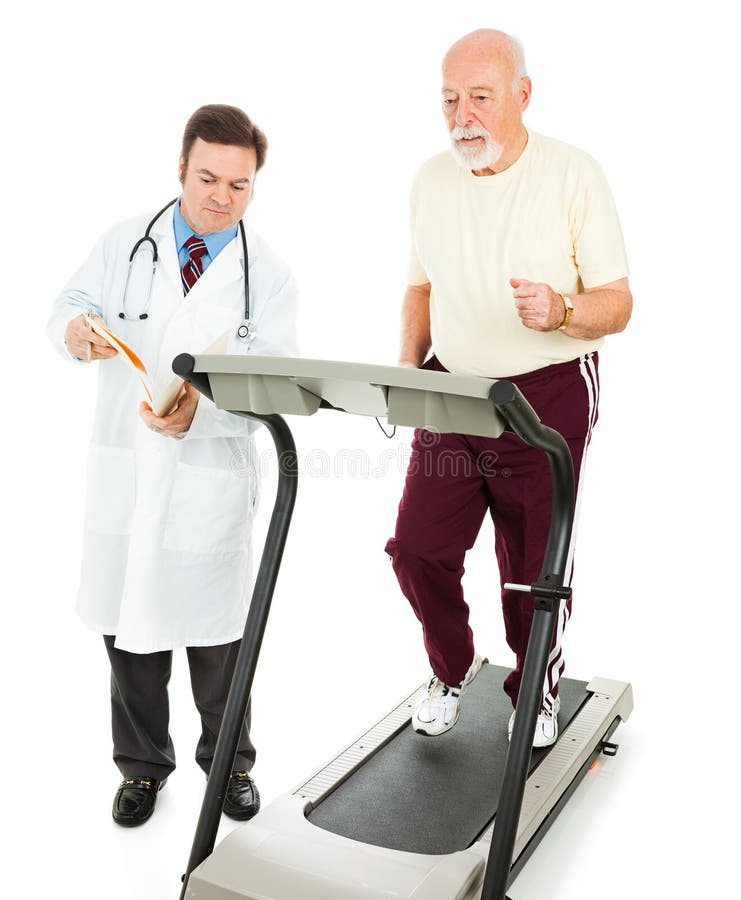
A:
(397, 815)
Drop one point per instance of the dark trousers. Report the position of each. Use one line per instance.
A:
(140, 708)
(452, 481)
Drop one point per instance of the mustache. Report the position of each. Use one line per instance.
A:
(466, 132)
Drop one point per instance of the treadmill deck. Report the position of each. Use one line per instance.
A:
(436, 794)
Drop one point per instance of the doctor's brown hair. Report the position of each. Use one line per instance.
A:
(220, 124)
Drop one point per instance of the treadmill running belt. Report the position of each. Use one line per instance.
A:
(436, 794)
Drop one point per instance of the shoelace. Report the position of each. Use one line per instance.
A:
(437, 688)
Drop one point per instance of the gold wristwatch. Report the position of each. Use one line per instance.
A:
(568, 312)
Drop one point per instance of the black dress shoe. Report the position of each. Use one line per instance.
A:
(135, 799)
(242, 799)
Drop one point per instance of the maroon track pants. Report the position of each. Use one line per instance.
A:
(452, 480)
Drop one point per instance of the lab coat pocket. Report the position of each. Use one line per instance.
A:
(210, 510)
(111, 489)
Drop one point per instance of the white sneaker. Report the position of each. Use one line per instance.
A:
(439, 710)
(546, 726)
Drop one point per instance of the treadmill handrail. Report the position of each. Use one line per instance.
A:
(267, 385)
(524, 422)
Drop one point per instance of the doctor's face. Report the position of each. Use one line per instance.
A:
(217, 180)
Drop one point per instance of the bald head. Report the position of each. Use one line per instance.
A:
(485, 92)
(487, 46)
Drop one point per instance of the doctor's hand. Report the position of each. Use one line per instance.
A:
(538, 305)
(84, 344)
(176, 423)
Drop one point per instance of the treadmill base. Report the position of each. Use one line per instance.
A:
(281, 855)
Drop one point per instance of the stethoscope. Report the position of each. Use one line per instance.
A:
(246, 330)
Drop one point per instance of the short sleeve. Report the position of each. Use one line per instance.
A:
(599, 248)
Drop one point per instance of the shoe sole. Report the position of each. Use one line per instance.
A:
(133, 824)
(538, 746)
(437, 733)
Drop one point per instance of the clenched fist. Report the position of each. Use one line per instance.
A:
(538, 305)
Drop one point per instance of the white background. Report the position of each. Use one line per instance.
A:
(94, 102)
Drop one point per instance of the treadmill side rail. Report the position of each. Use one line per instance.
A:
(342, 766)
(608, 700)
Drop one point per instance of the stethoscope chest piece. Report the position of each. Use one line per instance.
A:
(247, 330)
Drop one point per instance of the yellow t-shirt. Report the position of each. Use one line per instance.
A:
(549, 217)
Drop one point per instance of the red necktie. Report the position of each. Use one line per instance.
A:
(193, 269)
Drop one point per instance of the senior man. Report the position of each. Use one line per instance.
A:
(166, 556)
(518, 270)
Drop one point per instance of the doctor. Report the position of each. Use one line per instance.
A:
(166, 554)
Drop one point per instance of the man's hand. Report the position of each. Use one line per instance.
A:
(538, 305)
(84, 344)
(178, 421)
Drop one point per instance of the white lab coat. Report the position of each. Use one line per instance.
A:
(166, 551)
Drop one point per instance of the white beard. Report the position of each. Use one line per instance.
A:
(470, 157)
